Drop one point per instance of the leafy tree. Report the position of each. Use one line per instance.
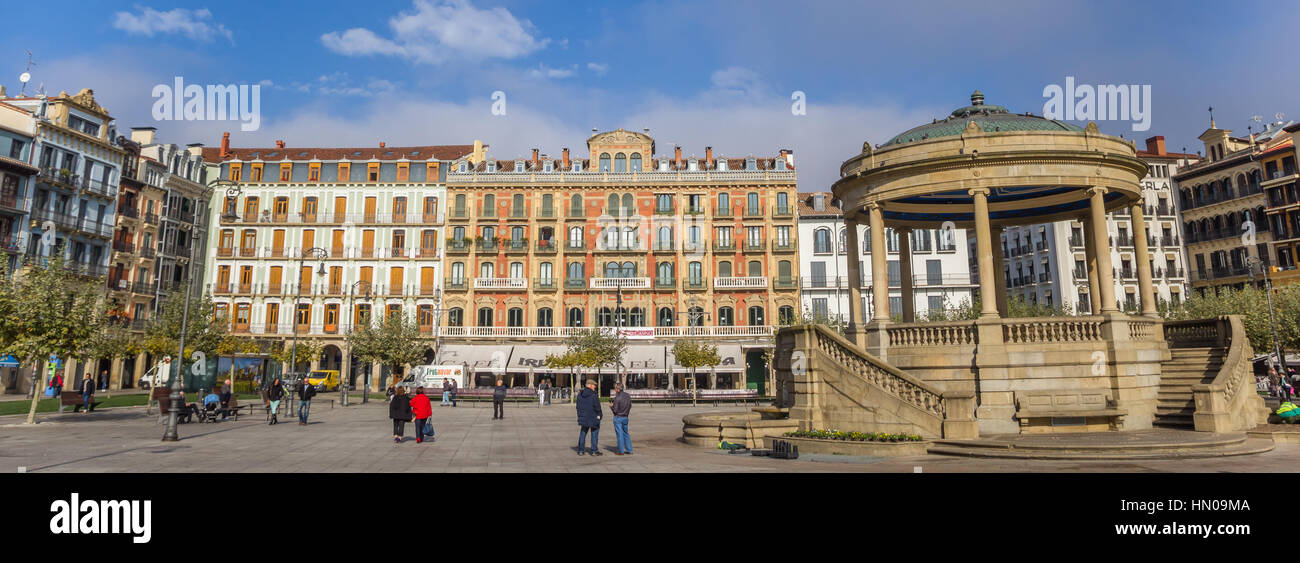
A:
(54, 312)
(396, 342)
(1252, 304)
(203, 332)
(302, 352)
(597, 348)
(693, 354)
(113, 341)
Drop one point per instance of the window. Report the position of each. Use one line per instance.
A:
(756, 317)
(635, 163)
(515, 317)
(544, 317)
(786, 313)
(604, 162)
(724, 269)
(822, 241)
(485, 316)
(665, 317)
(456, 317)
(574, 317)
(726, 316)
(620, 163)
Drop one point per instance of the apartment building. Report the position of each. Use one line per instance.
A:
(941, 278)
(658, 247)
(17, 179)
(317, 240)
(1282, 191)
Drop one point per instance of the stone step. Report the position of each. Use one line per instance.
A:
(1240, 445)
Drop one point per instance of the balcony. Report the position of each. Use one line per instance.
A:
(519, 332)
(500, 283)
(695, 284)
(785, 283)
(779, 212)
(151, 218)
(669, 210)
(1080, 274)
(620, 283)
(546, 283)
(754, 212)
(575, 283)
(460, 213)
(144, 288)
(824, 282)
(1076, 242)
(634, 246)
(12, 203)
(426, 253)
(665, 283)
(61, 176)
(572, 245)
(454, 283)
(514, 246)
(1122, 241)
(788, 245)
(461, 246)
(621, 211)
(546, 246)
(518, 213)
(723, 211)
(724, 246)
(576, 213)
(123, 247)
(251, 252)
(489, 246)
(547, 213)
(750, 282)
(665, 246)
(755, 245)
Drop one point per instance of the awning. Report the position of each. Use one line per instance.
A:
(732, 356)
(8, 361)
(534, 358)
(477, 357)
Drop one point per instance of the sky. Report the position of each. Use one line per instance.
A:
(696, 74)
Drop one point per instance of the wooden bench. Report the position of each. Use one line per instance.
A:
(1067, 407)
(74, 399)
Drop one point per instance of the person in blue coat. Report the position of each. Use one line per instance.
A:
(589, 418)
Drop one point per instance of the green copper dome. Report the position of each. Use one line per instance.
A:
(990, 119)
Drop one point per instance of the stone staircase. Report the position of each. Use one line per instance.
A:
(1186, 367)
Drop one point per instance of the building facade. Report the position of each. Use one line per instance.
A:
(1223, 205)
(1281, 189)
(321, 239)
(1046, 264)
(941, 276)
(658, 247)
(17, 179)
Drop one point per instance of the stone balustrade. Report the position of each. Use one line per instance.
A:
(1052, 329)
(933, 334)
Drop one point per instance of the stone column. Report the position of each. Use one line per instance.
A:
(879, 270)
(984, 247)
(851, 225)
(999, 269)
(1146, 289)
(1105, 276)
(905, 272)
(1090, 253)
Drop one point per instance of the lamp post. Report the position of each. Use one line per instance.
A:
(170, 434)
(1251, 264)
(343, 386)
(314, 252)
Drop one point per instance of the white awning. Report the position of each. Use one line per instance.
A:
(478, 357)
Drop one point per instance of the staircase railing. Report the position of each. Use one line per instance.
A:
(1228, 403)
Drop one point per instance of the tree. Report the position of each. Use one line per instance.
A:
(203, 333)
(54, 312)
(395, 343)
(1252, 304)
(112, 341)
(303, 351)
(693, 354)
(597, 348)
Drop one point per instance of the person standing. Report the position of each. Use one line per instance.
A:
(103, 380)
(225, 399)
(453, 393)
(56, 383)
(589, 415)
(621, 406)
(274, 395)
(446, 392)
(499, 401)
(305, 392)
(422, 410)
(399, 409)
(87, 392)
(544, 393)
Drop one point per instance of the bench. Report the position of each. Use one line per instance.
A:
(73, 399)
(1067, 407)
(484, 394)
(673, 396)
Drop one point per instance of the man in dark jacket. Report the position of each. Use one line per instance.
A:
(225, 399)
(453, 393)
(499, 401)
(621, 406)
(305, 392)
(589, 415)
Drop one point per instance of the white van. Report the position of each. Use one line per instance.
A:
(430, 377)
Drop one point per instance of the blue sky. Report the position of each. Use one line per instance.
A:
(698, 74)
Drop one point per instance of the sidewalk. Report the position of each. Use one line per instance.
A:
(112, 393)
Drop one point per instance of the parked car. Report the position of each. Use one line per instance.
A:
(324, 379)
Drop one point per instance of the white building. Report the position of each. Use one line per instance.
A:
(1045, 263)
(940, 271)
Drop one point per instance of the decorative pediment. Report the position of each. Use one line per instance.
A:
(86, 99)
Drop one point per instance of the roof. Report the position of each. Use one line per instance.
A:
(806, 208)
(1168, 155)
(425, 152)
(651, 165)
(990, 119)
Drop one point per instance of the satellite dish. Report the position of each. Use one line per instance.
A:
(25, 77)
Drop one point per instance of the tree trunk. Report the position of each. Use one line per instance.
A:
(37, 391)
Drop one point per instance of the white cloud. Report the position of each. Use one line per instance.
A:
(599, 69)
(194, 24)
(438, 30)
(543, 71)
(341, 84)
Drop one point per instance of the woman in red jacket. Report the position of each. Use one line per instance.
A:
(422, 409)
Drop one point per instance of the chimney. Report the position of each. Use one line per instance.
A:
(789, 157)
(478, 155)
(143, 135)
(677, 156)
(279, 144)
(708, 157)
(1156, 144)
(566, 158)
(225, 144)
(534, 159)
(382, 144)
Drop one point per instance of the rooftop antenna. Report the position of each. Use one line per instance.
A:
(1212, 118)
(26, 76)
(1279, 115)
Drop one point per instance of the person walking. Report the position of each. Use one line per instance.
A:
(103, 380)
(87, 392)
(453, 394)
(499, 401)
(274, 395)
(589, 415)
(305, 392)
(422, 410)
(621, 406)
(56, 383)
(544, 394)
(446, 392)
(225, 399)
(399, 409)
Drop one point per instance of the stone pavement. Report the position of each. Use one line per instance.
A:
(530, 439)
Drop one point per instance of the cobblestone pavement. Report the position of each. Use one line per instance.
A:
(530, 439)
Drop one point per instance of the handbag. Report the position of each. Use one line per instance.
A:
(49, 391)
(428, 428)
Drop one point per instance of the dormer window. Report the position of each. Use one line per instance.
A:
(819, 202)
(519, 166)
(693, 165)
(751, 164)
(663, 165)
(491, 166)
(548, 166)
(462, 167)
(577, 166)
(780, 164)
(722, 164)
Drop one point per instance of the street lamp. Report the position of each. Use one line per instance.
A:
(1251, 264)
(365, 393)
(313, 252)
(170, 434)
